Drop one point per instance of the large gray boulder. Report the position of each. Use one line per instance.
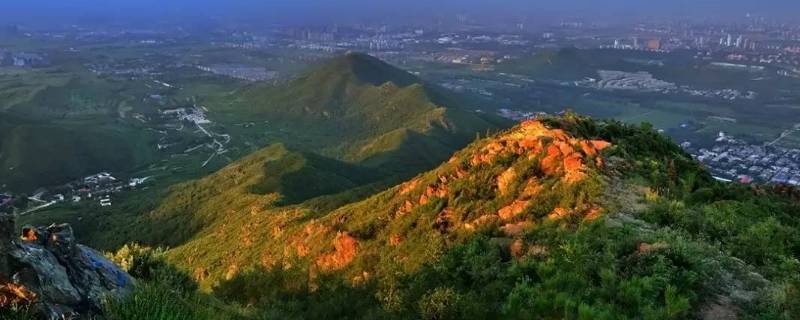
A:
(57, 277)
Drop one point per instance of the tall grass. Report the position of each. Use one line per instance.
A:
(16, 312)
(150, 302)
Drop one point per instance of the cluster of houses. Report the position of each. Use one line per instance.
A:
(645, 82)
(518, 115)
(22, 59)
(735, 160)
(98, 186)
(192, 114)
(242, 72)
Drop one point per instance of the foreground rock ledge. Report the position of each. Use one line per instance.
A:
(59, 279)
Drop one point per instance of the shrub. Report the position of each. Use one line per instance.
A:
(148, 264)
(440, 304)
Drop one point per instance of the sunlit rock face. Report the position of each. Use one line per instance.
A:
(56, 277)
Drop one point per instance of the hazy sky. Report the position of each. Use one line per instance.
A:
(325, 11)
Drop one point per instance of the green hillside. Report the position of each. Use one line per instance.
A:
(76, 115)
(377, 135)
(35, 154)
(271, 177)
(561, 218)
(564, 218)
(357, 108)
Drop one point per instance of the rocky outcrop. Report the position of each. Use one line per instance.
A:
(59, 279)
(345, 248)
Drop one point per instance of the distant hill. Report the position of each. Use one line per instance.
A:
(360, 109)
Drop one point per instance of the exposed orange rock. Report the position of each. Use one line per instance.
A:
(423, 199)
(201, 274)
(486, 220)
(345, 248)
(233, 270)
(461, 172)
(553, 151)
(408, 186)
(565, 148)
(395, 240)
(504, 180)
(530, 123)
(558, 214)
(531, 144)
(600, 145)
(513, 210)
(593, 214)
(573, 163)
(277, 231)
(532, 188)
(573, 166)
(439, 191)
(588, 148)
(315, 228)
(517, 229)
(559, 134)
(302, 250)
(550, 164)
(246, 239)
(405, 208)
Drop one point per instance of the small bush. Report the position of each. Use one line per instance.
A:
(440, 304)
(148, 264)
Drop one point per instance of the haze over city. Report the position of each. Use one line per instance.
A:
(318, 11)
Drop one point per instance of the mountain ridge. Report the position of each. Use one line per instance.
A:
(562, 217)
(348, 105)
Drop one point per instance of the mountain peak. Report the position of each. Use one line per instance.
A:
(366, 69)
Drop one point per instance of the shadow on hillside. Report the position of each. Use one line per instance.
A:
(284, 292)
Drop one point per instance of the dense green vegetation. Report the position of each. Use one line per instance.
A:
(671, 243)
(82, 148)
(359, 109)
(162, 292)
(687, 247)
